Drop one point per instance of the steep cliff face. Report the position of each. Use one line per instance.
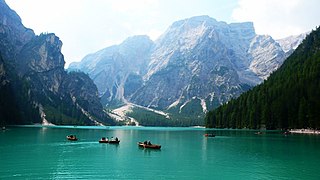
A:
(16, 104)
(13, 35)
(114, 68)
(41, 54)
(266, 55)
(36, 67)
(2, 73)
(292, 42)
(41, 59)
(196, 65)
(208, 61)
(84, 94)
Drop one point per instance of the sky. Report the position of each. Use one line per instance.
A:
(86, 26)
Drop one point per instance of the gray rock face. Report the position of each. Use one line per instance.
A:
(38, 64)
(83, 92)
(3, 76)
(292, 42)
(113, 67)
(198, 57)
(266, 55)
(196, 60)
(13, 35)
(48, 50)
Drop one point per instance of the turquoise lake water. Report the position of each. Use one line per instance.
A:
(44, 153)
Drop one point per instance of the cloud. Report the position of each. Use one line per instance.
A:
(154, 34)
(130, 5)
(279, 18)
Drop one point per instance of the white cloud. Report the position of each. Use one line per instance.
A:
(130, 5)
(154, 34)
(279, 18)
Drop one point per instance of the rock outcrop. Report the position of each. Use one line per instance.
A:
(117, 71)
(36, 65)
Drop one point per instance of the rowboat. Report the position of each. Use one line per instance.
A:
(149, 145)
(104, 140)
(72, 138)
(209, 135)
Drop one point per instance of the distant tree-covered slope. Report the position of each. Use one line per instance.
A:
(290, 98)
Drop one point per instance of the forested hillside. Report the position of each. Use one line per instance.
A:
(290, 98)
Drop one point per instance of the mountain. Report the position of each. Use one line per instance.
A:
(117, 70)
(196, 65)
(292, 42)
(197, 59)
(289, 98)
(34, 87)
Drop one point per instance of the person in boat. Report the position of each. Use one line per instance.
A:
(149, 142)
(71, 137)
(117, 139)
(145, 142)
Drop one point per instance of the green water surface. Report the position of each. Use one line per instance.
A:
(44, 153)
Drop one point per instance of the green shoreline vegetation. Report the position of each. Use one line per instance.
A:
(289, 99)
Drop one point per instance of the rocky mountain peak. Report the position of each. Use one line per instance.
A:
(187, 35)
(134, 48)
(48, 50)
(111, 68)
(243, 28)
(266, 55)
(138, 39)
(186, 32)
(198, 63)
(194, 22)
(291, 42)
(12, 32)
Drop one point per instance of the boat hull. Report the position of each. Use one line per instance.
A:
(72, 138)
(110, 142)
(209, 135)
(152, 146)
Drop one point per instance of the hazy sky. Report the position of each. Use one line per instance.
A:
(86, 26)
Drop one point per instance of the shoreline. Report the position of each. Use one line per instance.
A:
(292, 131)
(304, 131)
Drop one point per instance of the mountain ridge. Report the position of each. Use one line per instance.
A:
(198, 63)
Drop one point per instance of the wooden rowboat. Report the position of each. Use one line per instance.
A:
(209, 135)
(72, 138)
(104, 140)
(150, 146)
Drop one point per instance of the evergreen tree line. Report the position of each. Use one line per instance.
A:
(16, 104)
(290, 98)
(149, 118)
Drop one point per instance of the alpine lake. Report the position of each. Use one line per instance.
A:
(36, 152)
